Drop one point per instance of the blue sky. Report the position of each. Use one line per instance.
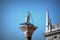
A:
(13, 12)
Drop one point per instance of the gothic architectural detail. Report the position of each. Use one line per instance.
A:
(28, 28)
(52, 31)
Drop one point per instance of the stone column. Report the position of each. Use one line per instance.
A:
(28, 31)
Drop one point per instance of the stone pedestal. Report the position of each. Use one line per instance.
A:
(28, 30)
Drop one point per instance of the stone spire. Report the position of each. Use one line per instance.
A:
(48, 21)
(47, 18)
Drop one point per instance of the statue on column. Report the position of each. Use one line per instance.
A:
(27, 19)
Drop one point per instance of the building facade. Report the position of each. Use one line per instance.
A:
(52, 32)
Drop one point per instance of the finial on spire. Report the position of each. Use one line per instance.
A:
(47, 12)
(27, 19)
